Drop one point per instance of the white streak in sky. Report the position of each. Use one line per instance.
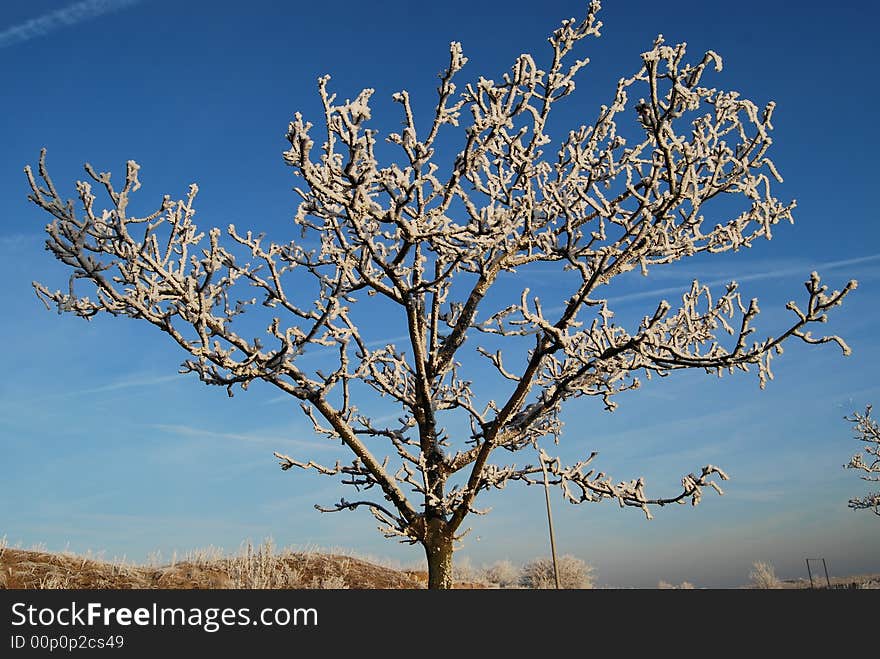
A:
(127, 383)
(74, 14)
(757, 276)
(134, 381)
(280, 439)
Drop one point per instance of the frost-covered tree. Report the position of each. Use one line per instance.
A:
(867, 430)
(503, 574)
(443, 247)
(763, 575)
(573, 573)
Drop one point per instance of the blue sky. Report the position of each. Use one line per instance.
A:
(105, 448)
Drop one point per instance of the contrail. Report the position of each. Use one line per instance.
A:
(757, 276)
(60, 18)
(769, 274)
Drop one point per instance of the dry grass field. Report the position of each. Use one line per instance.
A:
(262, 566)
(862, 581)
(253, 567)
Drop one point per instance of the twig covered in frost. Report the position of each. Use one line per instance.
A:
(866, 430)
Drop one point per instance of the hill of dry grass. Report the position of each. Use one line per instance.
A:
(258, 567)
(253, 568)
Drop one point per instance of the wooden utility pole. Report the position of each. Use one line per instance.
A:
(550, 519)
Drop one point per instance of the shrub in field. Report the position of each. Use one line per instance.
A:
(503, 574)
(763, 575)
(573, 573)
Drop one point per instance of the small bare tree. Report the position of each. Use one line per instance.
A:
(866, 430)
(573, 573)
(433, 248)
(763, 575)
(503, 574)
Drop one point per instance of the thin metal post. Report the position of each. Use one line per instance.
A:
(550, 520)
(824, 566)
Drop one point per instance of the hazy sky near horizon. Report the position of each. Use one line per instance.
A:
(105, 448)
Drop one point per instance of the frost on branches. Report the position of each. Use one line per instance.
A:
(431, 244)
(866, 430)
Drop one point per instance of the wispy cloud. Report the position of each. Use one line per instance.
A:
(74, 14)
(390, 340)
(276, 439)
(755, 276)
(802, 269)
(15, 406)
(126, 383)
(829, 265)
(190, 431)
(15, 241)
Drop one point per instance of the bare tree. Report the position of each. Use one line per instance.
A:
(503, 574)
(763, 575)
(433, 248)
(866, 430)
(573, 573)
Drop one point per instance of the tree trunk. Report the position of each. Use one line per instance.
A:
(438, 550)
